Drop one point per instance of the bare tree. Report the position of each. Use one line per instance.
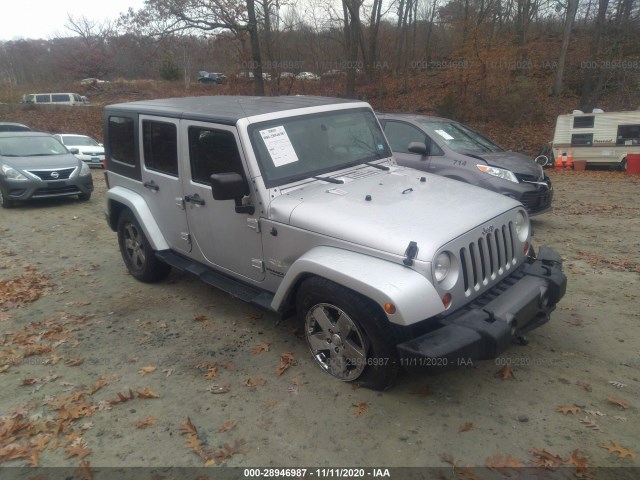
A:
(572, 8)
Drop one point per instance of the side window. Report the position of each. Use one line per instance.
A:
(584, 139)
(60, 97)
(212, 151)
(121, 140)
(160, 147)
(43, 98)
(628, 135)
(583, 122)
(400, 135)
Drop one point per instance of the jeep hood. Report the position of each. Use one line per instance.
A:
(401, 209)
(514, 161)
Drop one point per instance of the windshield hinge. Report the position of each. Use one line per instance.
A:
(410, 253)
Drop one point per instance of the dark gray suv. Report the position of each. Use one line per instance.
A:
(448, 148)
(36, 165)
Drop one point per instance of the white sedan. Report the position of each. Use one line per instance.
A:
(89, 151)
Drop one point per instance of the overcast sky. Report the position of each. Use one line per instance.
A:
(47, 18)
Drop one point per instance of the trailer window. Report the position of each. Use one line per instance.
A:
(628, 135)
(584, 139)
(583, 122)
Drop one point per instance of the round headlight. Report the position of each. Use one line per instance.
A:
(522, 226)
(442, 266)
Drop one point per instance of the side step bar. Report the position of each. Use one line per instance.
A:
(210, 276)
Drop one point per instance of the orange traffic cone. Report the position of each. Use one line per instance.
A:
(560, 161)
(569, 163)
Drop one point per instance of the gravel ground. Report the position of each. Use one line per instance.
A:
(98, 369)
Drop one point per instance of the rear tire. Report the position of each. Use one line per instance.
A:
(348, 335)
(138, 256)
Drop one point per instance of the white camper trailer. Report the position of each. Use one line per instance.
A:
(600, 138)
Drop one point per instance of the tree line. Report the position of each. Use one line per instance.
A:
(586, 46)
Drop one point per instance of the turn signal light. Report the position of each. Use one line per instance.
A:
(446, 300)
(390, 308)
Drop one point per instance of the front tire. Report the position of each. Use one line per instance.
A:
(348, 335)
(5, 202)
(623, 165)
(84, 197)
(136, 251)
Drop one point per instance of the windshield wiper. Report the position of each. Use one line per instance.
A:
(375, 165)
(329, 179)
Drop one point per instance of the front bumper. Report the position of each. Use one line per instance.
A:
(28, 189)
(486, 328)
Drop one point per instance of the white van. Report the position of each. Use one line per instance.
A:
(600, 138)
(54, 98)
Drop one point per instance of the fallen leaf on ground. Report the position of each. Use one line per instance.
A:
(262, 347)
(621, 451)
(589, 423)
(148, 369)
(255, 382)
(580, 462)
(146, 422)
(286, 360)
(169, 371)
(146, 392)
(565, 409)
(200, 318)
(212, 372)
(465, 427)
(619, 402)
(617, 384)
(545, 459)
(500, 463)
(361, 408)
(227, 426)
(505, 372)
(74, 362)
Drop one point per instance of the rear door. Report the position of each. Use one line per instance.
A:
(161, 178)
(222, 238)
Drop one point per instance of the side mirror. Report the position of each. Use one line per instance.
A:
(75, 151)
(231, 186)
(419, 148)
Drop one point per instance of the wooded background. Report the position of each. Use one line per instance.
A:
(516, 63)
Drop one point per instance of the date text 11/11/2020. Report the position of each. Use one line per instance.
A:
(316, 472)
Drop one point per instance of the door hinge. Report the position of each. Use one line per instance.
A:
(254, 224)
(180, 203)
(257, 263)
(186, 236)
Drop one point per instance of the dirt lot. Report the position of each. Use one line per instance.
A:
(97, 367)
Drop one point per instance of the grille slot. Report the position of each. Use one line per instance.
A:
(487, 258)
(63, 173)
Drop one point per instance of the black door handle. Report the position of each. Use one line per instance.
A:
(151, 186)
(195, 198)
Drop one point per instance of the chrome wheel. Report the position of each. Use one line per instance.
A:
(134, 246)
(335, 341)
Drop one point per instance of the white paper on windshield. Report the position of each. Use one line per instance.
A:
(444, 134)
(279, 146)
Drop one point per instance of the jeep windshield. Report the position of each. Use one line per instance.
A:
(305, 146)
(460, 138)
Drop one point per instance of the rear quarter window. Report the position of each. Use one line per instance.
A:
(122, 140)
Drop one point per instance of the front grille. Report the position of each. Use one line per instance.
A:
(534, 201)
(528, 178)
(487, 258)
(48, 192)
(63, 173)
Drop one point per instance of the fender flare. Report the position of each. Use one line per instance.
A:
(414, 297)
(140, 209)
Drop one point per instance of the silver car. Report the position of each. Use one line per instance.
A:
(36, 165)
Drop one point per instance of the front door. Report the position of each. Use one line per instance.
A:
(222, 238)
(161, 178)
(400, 135)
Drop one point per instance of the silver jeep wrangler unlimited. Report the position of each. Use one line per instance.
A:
(296, 204)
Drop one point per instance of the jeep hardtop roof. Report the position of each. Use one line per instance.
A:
(223, 109)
